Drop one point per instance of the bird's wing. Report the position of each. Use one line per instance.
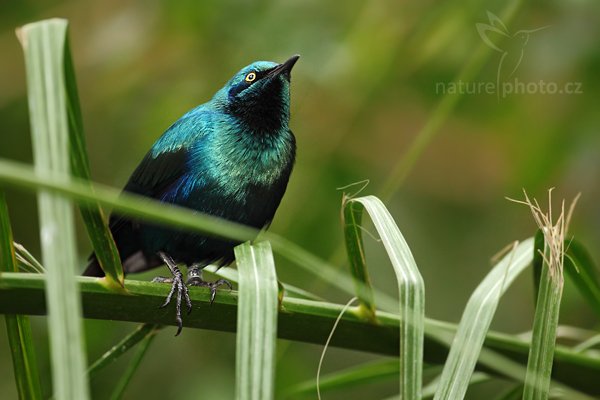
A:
(157, 172)
(165, 163)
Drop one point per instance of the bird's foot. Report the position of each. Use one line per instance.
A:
(195, 279)
(177, 285)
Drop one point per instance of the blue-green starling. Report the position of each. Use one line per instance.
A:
(230, 157)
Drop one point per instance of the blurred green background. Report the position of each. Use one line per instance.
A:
(362, 91)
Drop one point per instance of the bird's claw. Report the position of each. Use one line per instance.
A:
(177, 285)
(213, 286)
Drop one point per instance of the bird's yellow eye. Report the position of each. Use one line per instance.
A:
(250, 77)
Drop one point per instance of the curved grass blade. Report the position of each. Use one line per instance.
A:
(43, 46)
(142, 332)
(410, 286)
(26, 260)
(351, 218)
(359, 375)
(512, 394)
(476, 319)
(369, 373)
(18, 327)
(256, 321)
(92, 215)
(133, 366)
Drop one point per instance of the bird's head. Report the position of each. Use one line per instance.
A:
(259, 95)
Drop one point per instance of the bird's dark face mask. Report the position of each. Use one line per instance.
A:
(260, 95)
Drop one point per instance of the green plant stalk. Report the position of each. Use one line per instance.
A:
(18, 326)
(351, 221)
(133, 366)
(141, 333)
(545, 323)
(43, 46)
(92, 215)
(256, 321)
(537, 265)
(300, 320)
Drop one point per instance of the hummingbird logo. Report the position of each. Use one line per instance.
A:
(511, 45)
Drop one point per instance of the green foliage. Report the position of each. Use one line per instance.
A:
(93, 216)
(476, 321)
(502, 357)
(18, 326)
(141, 334)
(410, 285)
(582, 271)
(43, 45)
(256, 322)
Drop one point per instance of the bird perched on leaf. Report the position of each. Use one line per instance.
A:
(230, 157)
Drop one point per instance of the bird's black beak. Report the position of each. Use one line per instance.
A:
(284, 68)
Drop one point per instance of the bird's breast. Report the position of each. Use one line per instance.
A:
(237, 166)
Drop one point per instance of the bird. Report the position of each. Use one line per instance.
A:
(230, 157)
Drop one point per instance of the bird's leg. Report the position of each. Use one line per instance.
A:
(194, 278)
(178, 285)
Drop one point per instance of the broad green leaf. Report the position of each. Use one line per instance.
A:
(410, 286)
(22, 348)
(476, 319)
(44, 46)
(256, 321)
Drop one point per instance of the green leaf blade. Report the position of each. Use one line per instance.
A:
(412, 297)
(92, 215)
(256, 322)
(476, 320)
(545, 325)
(351, 217)
(43, 45)
(18, 327)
